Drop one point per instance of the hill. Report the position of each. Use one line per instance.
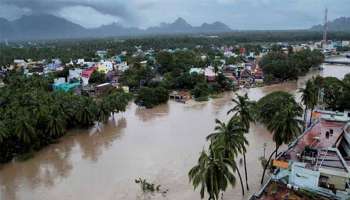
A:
(32, 27)
(339, 24)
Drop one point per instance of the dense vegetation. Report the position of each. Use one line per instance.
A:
(216, 167)
(74, 49)
(279, 66)
(171, 71)
(32, 116)
(150, 97)
(335, 92)
(97, 77)
(278, 111)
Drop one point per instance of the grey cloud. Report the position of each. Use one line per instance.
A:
(114, 8)
(238, 14)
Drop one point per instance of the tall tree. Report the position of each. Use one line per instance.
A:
(25, 128)
(3, 131)
(229, 138)
(243, 110)
(309, 97)
(56, 123)
(279, 112)
(213, 173)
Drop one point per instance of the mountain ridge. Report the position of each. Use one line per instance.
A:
(31, 27)
(338, 24)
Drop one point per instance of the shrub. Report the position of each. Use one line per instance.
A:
(150, 97)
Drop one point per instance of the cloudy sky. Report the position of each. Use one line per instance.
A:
(238, 14)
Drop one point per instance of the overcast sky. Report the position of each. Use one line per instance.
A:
(238, 14)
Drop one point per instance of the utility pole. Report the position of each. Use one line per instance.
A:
(325, 29)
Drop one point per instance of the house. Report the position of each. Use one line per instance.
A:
(74, 74)
(245, 74)
(229, 54)
(86, 74)
(80, 61)
(20, 63)
(345, 43)
(123, 66)
(196, 70)
(107, 64)
(59, 80)
(258, 73)
(318, 161)
(249, 65)
(102, 88)
(180, 96)
(230, 68)
(209, 74)
(102, 68)
(65, 87)
(101, 53)
(143, 63)
(54, 65)
(118, 59)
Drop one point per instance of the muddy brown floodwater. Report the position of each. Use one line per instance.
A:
(160, 144)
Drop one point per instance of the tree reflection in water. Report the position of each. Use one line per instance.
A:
(54, 163)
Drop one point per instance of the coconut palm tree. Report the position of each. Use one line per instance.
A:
(213, 174)
(86, 112)
(309, 97)
(243, 110)
(56, 122)
(231, 139)
(285, 126)
(279, 112)
(3, 131)
(25, 128)
(105, 109)
(118, 101)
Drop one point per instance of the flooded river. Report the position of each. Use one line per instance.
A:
(160, 144)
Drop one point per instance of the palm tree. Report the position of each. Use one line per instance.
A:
(105, 109)
(243, 110)
(86, 112)
(25, 129)
(56, 123)
(284, 125)
(118, 101)
(213, 173)
(309, 97)
(279, 112)
(3, 131)
(231, 139)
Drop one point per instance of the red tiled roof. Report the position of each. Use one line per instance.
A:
(87, 73)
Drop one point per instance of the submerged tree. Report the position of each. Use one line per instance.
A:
(229, 139)
(213, 173)
(309, 97)
(279, 112)
(243, 110)
(33, 116)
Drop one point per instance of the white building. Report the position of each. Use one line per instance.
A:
(74, 74)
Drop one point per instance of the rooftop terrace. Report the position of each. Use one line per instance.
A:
(322, 135)
(279, 191)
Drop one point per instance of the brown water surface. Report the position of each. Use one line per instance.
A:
(160, 144)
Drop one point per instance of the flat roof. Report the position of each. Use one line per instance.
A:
(275, 190)
(327, 155)
(316, 137)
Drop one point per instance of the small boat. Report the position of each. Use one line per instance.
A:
(348, 56)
